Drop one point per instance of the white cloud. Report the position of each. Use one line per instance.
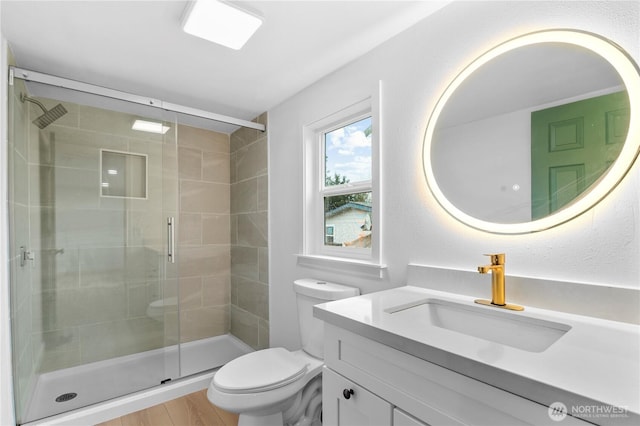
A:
(358, 140)
(336, 137)
(357, 170)
(347, 142)
(348, 151)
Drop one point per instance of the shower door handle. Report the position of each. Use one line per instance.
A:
(171, 246)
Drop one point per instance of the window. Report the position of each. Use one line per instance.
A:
(340, 212)
(346, 183)
(328, 234)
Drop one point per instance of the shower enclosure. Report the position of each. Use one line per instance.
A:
(94, 207)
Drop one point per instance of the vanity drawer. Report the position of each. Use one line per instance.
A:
(426, 391)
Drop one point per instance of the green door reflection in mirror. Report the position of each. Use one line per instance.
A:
(572, 145)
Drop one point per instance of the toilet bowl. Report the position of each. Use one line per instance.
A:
(157, 308)
(275, 386)
(263, 385)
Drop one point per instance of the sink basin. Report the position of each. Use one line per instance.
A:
(504, 327)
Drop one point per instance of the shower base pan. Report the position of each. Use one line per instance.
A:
(86, 390)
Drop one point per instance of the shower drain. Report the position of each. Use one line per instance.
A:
(66, 397)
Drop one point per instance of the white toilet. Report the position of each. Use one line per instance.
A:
(275, 387)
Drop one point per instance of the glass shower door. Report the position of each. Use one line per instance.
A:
(93, 290)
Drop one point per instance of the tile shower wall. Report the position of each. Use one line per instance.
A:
(249, 255)
(98, 261)
(204, 233)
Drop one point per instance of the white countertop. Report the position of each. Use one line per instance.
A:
(596, 363)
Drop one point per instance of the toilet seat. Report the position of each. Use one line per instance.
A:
(260, 371)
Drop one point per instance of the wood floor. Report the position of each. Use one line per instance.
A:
(190, 410)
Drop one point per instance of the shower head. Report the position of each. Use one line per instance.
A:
(49, 116)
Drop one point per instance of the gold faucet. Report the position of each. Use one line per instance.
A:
(496, 268)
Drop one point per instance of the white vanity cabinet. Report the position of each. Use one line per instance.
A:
(400, 418)
(391, 387)
(346, 403)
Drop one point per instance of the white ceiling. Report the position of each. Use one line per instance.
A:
(139, 47)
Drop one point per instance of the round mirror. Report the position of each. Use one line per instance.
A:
(534, 132)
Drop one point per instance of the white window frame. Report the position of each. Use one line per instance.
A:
(314, 218)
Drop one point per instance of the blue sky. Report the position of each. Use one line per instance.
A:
(348, 151)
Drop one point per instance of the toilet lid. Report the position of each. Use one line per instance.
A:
(260, 371)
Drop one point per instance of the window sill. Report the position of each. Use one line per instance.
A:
(341, 264)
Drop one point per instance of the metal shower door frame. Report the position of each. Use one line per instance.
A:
(38, 77)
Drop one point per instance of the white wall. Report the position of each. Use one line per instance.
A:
(601, 247)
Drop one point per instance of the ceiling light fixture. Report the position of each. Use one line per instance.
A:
(220, 23)
(150, 126)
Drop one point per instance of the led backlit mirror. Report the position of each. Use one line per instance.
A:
(534, 132)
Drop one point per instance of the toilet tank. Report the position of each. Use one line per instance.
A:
(311, 292)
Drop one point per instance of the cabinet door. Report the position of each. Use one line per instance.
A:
(400, 418)
(344, 403)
